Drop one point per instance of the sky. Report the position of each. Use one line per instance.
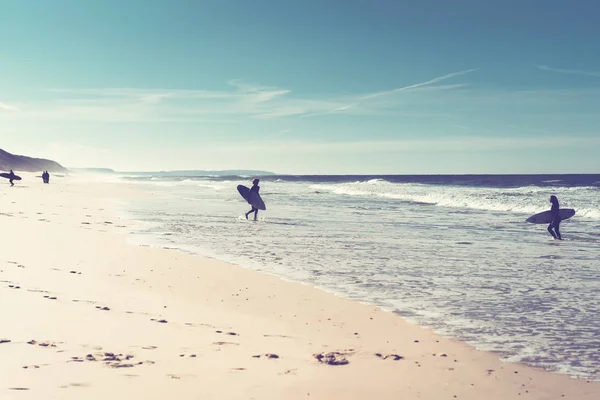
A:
(304, 87)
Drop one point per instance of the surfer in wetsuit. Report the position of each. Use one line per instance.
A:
(11, 177)
(254, 189)
(555, 224)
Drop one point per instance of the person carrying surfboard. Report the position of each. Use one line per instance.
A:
(11, 177)
(555, 219)
(254, 189)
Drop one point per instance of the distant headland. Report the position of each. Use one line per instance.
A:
(17, 163)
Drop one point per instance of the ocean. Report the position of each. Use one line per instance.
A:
(453, 253)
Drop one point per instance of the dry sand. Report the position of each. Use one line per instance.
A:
(85, 315)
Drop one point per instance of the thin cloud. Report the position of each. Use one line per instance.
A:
(427, 84)
(154, 98)
(8, 107)
(569, 71)
(417, 85)
(332, 111)
(256, 92)
(189, 94)
(241, 101)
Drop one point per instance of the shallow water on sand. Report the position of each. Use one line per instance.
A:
(454, 256)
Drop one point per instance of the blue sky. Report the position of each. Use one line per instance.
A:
(304, 87)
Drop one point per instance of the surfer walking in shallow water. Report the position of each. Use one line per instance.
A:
(554, 227)
(254, 189)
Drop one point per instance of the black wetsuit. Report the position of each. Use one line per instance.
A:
(12, 175)
(555, 221)
(254, 210)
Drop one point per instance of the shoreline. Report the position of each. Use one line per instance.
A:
(217, 317)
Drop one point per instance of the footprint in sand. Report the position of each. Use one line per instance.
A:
(41, 344)
(228, 333)
(334, 357)
(74, 385)
(289, 372)
(111, 360)
(394, 357)
(173, 376)
(268, 355)
(103, 308)
(194, 325)
(34, 366)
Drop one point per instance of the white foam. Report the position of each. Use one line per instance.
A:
(526, 200)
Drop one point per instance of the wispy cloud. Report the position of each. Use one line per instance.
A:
(245, 100)
(8, 107)
(240, 102)
(569, 71)
(258, 93)
(421, 85)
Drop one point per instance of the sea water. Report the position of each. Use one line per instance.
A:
(453, 253)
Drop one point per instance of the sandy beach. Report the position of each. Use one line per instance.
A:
(87, 315)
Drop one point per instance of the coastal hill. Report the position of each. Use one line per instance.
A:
(21, 163)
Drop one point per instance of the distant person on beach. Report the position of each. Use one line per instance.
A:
(11, 177)
(254, 189)
(554, 227)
